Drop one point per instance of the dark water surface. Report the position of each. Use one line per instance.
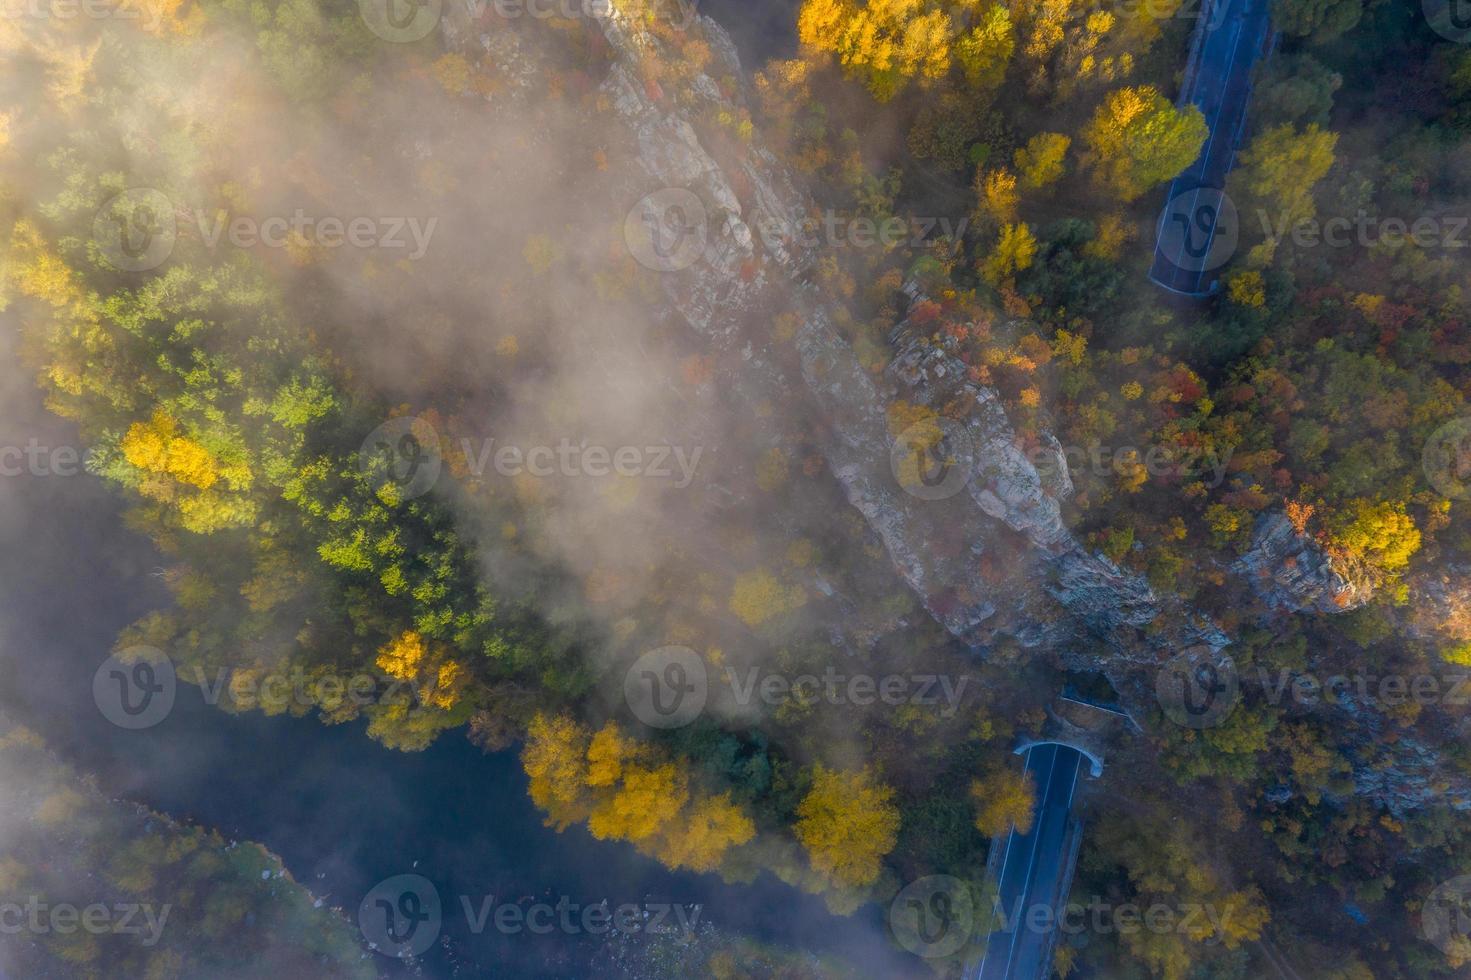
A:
(761, 29)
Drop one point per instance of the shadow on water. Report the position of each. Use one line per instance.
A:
(761, 30)
(342, 812)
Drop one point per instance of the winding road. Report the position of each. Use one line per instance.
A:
(1036, 871)
(1197, 229)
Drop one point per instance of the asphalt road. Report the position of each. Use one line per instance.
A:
(1237, 35)
(1035, 869)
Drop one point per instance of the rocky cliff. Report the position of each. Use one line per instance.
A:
(1008, 508)
(1287, 570)
(983, 545)
(1440, 606)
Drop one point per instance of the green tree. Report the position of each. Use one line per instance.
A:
(847, 822)
(1298, 89)
(1003, 800)
(1319, 20)
(985, 50)
(1278, 170)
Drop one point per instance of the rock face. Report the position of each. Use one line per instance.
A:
(1409, 775)
(1287, 570)
(976, 556)
(1404, 769)
(984, 546)
(1440, 606)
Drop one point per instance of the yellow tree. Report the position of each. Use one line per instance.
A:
(402, 725)
(820, 22)
(156, 446)
(1374, 540)
(645, 801)
(705, 831)
(1092, 53)
(555, 757)
(1166, 953)
(172, 467)
(1109, 238)
(1042, 31)
(1043, 160)
(986, 49)
(437, 680)
(1003, 800)
(1243, 916)
(1137, 139)
(402, 656)
(1013, 253)
(68, 72)
(411, 719)
(628, 790)
(1247, 288)
(847, 822)
(758, 596)
(39, 271)
(884, 43)
(996, 194)
(606, 754)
